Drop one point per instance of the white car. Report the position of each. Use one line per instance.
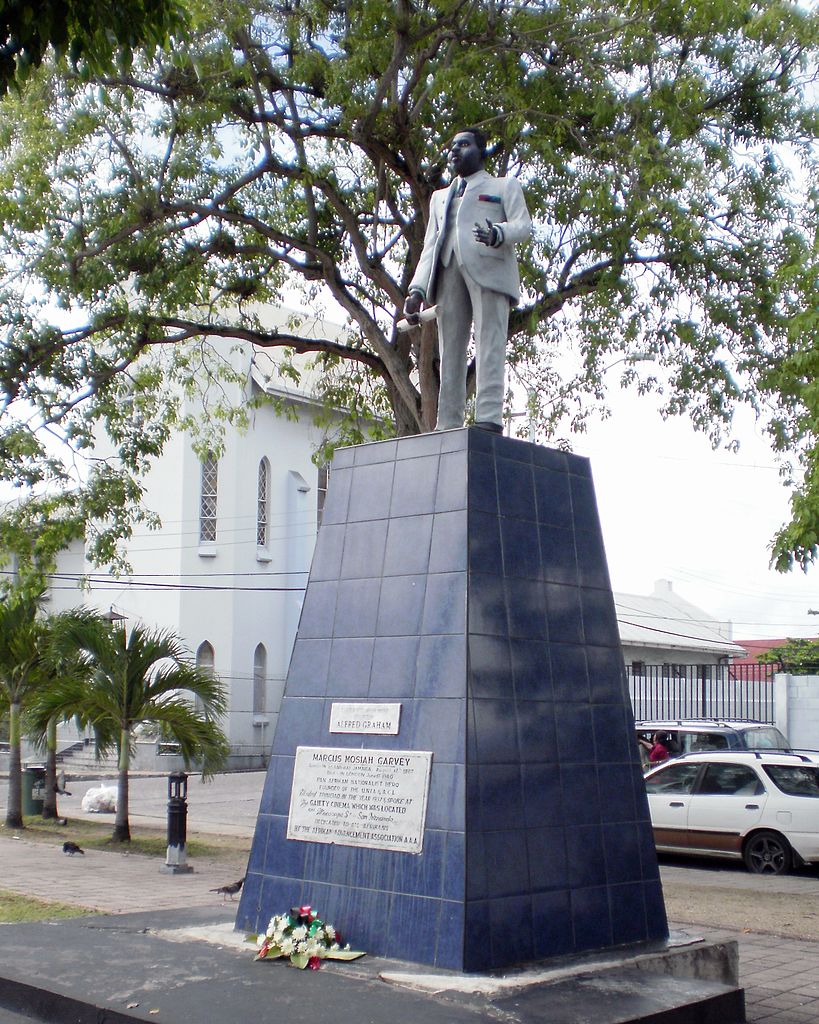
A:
(762, 808)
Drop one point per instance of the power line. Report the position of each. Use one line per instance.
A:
(78, 577)
(682, 636)
(116, 584)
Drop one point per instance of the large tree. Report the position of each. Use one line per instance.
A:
(136, 676)
(95, 34)
(667, 153)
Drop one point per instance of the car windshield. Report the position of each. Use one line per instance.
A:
(795, 780)
(764, 739)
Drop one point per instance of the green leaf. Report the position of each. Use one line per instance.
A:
(157, 208)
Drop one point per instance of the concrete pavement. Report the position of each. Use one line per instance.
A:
(225, 805)
(780, 974)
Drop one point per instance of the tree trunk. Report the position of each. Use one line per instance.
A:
(122, 827)
(14, 807)
(50, 796)
(429, 374)
(405, 423)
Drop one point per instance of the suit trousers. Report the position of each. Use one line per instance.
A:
(460, 304)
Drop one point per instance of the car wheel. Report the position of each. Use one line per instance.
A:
(767, 853)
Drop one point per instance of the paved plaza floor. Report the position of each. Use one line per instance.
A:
(780, 974)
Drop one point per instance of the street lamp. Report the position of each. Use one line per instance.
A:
(176, 858)
(112, 616)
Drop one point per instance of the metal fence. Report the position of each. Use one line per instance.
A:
(702, 691)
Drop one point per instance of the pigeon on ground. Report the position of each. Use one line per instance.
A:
(72, 848)
(229, 890)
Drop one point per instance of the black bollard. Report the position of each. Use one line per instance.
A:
(176, 857)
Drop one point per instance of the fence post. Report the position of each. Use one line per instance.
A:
(781, 685)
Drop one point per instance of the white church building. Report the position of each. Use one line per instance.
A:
(226, 570)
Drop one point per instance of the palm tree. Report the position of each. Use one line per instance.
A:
(43, 731)
(137, 676)
(29, 665)
(24, 668)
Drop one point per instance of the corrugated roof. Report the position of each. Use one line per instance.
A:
(664, 619)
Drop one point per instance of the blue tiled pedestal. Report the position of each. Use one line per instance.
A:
(462, 575)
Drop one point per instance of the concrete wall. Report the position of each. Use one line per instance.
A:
(796, 707)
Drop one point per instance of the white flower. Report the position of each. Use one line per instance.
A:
(289, 940)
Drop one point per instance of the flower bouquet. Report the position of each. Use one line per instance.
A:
(303, 938)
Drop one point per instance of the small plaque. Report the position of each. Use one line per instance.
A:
(373, 719)
(372, 798)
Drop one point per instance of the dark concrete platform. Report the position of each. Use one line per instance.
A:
(117, 969)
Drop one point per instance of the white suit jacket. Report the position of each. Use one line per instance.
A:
(498, 200)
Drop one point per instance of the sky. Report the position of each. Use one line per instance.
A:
(672, 508)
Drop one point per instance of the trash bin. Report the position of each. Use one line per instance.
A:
(33, 788)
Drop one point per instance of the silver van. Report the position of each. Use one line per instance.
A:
(692, 735)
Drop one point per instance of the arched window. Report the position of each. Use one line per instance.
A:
(263, 503)
(260, 680)
(321, 492)
(207, 500)
(205, 661)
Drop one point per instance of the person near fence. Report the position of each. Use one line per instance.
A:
(657, 749)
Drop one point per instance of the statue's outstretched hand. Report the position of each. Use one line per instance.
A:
(485, 235)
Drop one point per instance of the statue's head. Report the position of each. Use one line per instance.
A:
(467, 152)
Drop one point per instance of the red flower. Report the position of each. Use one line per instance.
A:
(314, 963)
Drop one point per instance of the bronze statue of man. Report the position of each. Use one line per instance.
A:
(469, 272)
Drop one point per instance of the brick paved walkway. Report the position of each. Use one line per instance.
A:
(114, 883)
(780, 976)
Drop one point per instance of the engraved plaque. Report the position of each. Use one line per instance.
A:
(375, 719)
(372, 798)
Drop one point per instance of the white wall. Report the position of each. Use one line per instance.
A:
(669, 656)
(797, 709)
(231, 593)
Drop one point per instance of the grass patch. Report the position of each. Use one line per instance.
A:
(15, 908)
(150, 842)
